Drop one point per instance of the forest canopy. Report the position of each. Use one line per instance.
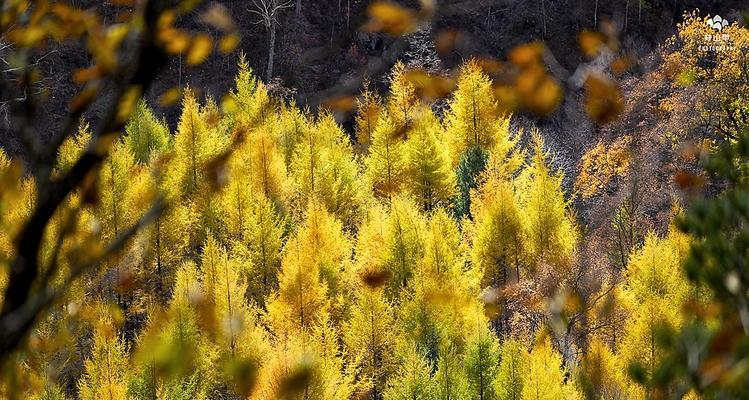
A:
(424, 233)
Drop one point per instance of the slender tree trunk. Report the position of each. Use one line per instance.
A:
(543, 16)
(639, 11)
(159, 282)
(298, 8)
(626, 15)
(271, 51)
(595, 15)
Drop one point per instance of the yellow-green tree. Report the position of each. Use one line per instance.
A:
(371, 336)
(292, 124)
(313, 263)
(544, 378)
(481, 362)
(325, 170)
(106, 371)
(654, 293)
(508, 381)
(413, 379)
(386, 162)
(402, 100)
(306, 366)
(389, 246)
(146, 135)
(194, 145)
(602, 374)
(551, 233)
(431, 179)
(261, 244)
(473, 118)
(368, 110)
(498, 248)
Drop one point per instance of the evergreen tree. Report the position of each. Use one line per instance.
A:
(450, 380)
(114, 181)
(413, 379)
(473, 118)
(470, 166)
(306, 366)
(340, 188)
(430, 177)
(403, 239)
(601, 374)
(386, 163)
(106, 372)
(311, 269)
(292, 124)
(481, 362)
(654, 292)
(194, 146)
(508, 382)
(262, 247)
(371, 335)
(402, 100)
(146, 135)
(368, 110)
(253, 105)
(544, 376)
(550, 230)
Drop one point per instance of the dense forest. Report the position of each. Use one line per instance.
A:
(450, 225)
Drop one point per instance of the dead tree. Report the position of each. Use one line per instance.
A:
(267, 12)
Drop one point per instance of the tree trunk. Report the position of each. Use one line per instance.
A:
(298, 8)
(543, 17)
(595, 15)
(639, 11)
(271, 51)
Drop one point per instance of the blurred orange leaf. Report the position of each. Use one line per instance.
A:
(127, 103)
(446, 41)
(217, 16)
(538, 92)
(603, 101)
(341, 103)
(527, 54)
(688, 180)
(430, 86)
(591, 43)
(84, 75)
(228, 43)
(170, 97)
(201, 48)
(390, 18)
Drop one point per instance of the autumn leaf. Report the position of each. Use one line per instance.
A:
(688, 180)
(527, 54)
(537, 91)
(201, 48)
(591, 43)
(175, 41)
(429, 86)
(170, 97)
(217, 16)
(340, 103)
(375, 279)
(84, 75)
(127, 103)
(446, 41)
(228, 43)
(390, 18)
(603, 101)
